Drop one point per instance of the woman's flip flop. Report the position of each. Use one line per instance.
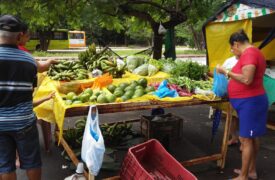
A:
(250, 176)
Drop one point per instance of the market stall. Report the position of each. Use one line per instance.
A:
(129, 91)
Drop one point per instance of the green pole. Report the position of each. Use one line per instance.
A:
(170, 49)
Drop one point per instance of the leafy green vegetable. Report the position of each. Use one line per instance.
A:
(192, 70)
(156, 63)
(204, 85)
(167, 65)
(190, 84)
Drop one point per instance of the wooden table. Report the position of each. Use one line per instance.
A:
(132, 106)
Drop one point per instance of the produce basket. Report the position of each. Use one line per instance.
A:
(150, 160)
(161, 126)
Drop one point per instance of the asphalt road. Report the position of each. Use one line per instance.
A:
(195, 143)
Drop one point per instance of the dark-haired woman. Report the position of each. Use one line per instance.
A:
(248, 98)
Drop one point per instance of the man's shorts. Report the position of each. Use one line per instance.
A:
(252, 113)
(26, 143)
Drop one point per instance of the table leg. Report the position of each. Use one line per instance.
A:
(47, 135)
(221, 162)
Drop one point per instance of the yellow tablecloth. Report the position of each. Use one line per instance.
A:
(53, 111)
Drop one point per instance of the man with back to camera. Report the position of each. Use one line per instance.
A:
(18, 129)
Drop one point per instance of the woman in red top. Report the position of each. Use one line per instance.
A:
(248, 98)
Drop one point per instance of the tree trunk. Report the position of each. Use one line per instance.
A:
(44, 38)
(125, 40)
(201, 46)
(157, 44)
(197, 38)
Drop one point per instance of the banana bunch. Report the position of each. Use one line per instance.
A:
(70, 135)
(95, 63)
(109, 65)
(67, 70)
(102, 60)
(88, 56)
(80, 124)
(113, 134)
(80, 127)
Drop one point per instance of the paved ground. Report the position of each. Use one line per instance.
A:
(195, 143)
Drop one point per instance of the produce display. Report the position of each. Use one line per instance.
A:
(142, 65)
(112, 133)
(187, 77)
(181, 91)
(67, 70)
(102, 60)
(190, 69)
(131, 90)
(74, 136)
(124, 91)
(189, 84)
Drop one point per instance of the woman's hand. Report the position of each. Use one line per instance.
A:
(221, 70)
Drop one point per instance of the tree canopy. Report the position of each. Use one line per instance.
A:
(136, 18)
(150, 13)
(45, 15)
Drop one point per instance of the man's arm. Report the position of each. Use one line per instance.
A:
(43, 66)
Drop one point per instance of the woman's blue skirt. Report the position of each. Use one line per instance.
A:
(252, 113)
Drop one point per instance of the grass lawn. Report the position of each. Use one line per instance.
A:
(121, 52)
(50, 54)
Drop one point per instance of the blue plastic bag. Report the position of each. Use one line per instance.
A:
(220, 84)
(164, 91)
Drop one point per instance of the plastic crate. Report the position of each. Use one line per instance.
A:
(172, 127)
(150, 161)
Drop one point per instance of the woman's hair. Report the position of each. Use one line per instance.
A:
(239, 36)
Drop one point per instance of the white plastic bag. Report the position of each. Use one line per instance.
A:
(96, 73)
(93, 148)
(120, 64)
(161, 29)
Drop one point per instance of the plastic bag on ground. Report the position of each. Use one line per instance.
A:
(220, 84)
(93, 148)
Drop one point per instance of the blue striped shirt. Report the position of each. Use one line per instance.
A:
(17, 80)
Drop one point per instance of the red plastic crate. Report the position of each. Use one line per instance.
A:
(150, 160)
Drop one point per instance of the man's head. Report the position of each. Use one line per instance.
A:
(11, 29)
